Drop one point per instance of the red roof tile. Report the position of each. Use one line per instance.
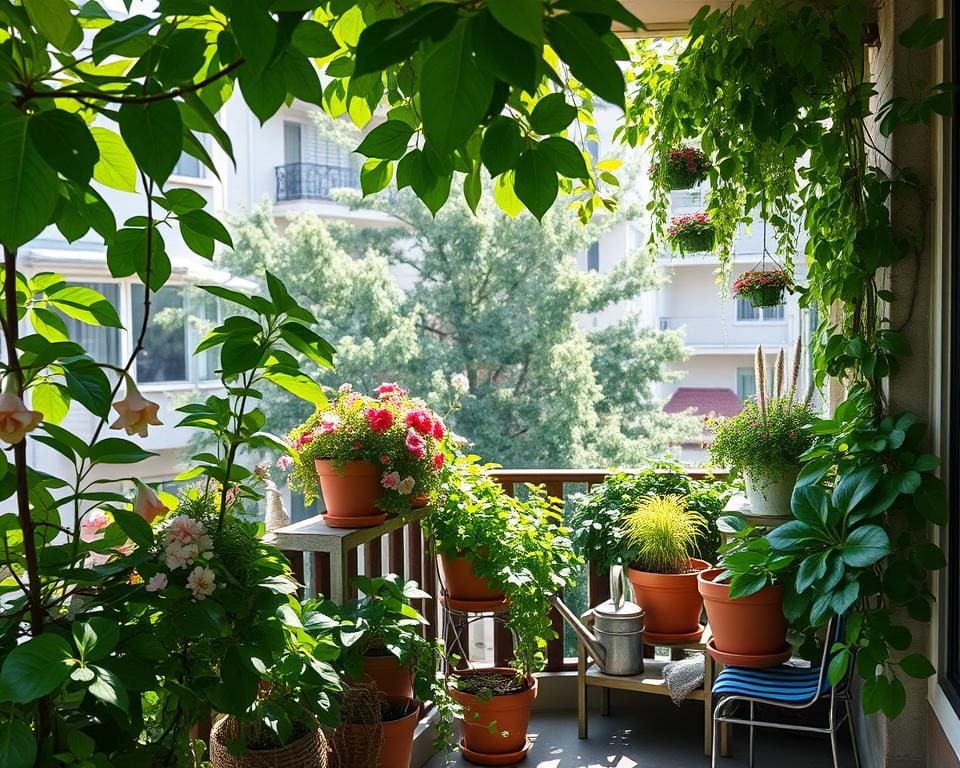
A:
(705, 401)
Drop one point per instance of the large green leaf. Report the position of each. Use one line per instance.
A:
(18, 745)
(552, 114)
(610, 8)
(502, 54)
(388, 141)
(53, 20)
(501, 145)
(65, 143)
(107, 687)
(536, 181)
(588, 57)
(865, 546)
(28, 186)
(134, 526)
(154, 134)
(391, 41)
(314, 39)
(256, 33)
(117, 450)
(116, 167)
(88, 385)
(454, 93)
(297, 384)
(86, 305)
(565, 156)
(95, 638)
(35, 668)
(524, 18)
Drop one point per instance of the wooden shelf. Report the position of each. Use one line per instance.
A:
(651, 680)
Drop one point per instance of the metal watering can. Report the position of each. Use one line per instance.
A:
(616, 643)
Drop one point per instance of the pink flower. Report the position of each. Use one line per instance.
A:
(438, 461)
(345, 388)
(147, 504)
(379, 419)
(136, 413)
(305, 439)
(391, 481)
(406, 486)
(262, 470)
(157, 582)
(15, 418)
(421, 420)
(438, 429)
(202, 582)
(389, 388)
(415, 444)
(93, 522)
(357, 445)
(329, 423)
(284, 463)
(384, 459)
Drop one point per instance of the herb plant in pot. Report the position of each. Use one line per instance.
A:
(663, 533)
(368, 456)
(764, 442)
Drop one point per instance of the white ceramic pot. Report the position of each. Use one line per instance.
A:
(768, 494)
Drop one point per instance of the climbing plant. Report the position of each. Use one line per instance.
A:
(779, 97)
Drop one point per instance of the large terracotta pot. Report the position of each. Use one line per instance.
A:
(748, 626)
(461, 583)
(398, 735)
(351, 494)
(390, 677)
(670, 601)
(506, 742)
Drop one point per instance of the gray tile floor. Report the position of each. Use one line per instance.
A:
(657, 734)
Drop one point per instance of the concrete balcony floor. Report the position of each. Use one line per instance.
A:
(650, 732)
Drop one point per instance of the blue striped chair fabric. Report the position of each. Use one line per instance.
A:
(793, 685)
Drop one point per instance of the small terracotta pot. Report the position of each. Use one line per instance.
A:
(747, 626)
(390, 677)
(510, 713)
(670, 601)
(419, 501)
(461, 583)
(351, 493)
(398, 736)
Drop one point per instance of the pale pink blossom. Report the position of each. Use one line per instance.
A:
(147, 504)
(415, 444)
(93, 523)
(202, 582)
(329, 423)
(391, 481)
(183, 529)
(406, 486)
(285, 463)
(136, 413)
(15, 418)
(390, 389)
(157, 582)
(345, 387)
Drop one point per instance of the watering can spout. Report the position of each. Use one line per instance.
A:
(586, 636)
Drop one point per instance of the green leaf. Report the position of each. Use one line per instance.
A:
(206, 224)
(375, 176)
(256, 33)
(391, 41)
(314, 39)
(895, 700)
(744, 584)
(566, 157)
(501, 145)
(309, 343)
(65, 142)
(589, 59)
(909, 482)
(791, 536)
(454, 93)
(53, 20)
(107, 687)
(502, 54)
(473, 188)
(297, 384)
(865, 546)
(842, 600)
(154, 134)
(387, 141)
(116, 167)
(504, 195)
(28, 186)
(524, 18)
(116, 450)
(924, 32)
(263, 91)
(917, 665)
(125, 38)
(95, 638)
(35, 668)
(838, 666)
(611, 8)
(536, 181)
(930, 556)
(930, 499)
(854, 487)
(552, 114)
(86, 305)
(50, 400)
(136, 528)
(18, 745)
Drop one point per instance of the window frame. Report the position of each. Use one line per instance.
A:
(761, 314)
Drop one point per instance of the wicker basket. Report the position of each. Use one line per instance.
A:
(307, 752)
(358, 740)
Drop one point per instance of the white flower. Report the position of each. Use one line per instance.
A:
(201, 582)
(460, 383)
(284, 463)
(157, 582)
(406, 486)
(93, 523)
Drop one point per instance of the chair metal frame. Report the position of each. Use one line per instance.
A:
(838, 693)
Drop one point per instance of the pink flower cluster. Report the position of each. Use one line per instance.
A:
(691, 222)
(185, 540)
(755, 280)
(689, 159)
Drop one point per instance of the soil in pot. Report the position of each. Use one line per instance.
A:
(306, 749)
(496, 712)
(671, 602)
(462, 584)
(399, 717)
(350, 494)
(751, 626)
(387, 673)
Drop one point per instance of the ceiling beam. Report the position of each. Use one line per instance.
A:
(664, 18)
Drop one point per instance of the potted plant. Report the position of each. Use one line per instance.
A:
(528, 556)
(765, 441)
(743, 599)
(597, 520)
(762, 288)
(664, 533)
(691, 233)
(369, 456)
(684, 167)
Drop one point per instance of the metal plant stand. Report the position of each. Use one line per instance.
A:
(458, 617)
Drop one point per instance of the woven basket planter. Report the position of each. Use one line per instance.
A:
(680, 178)
(694, 242)
(309, 751)
(767, 296)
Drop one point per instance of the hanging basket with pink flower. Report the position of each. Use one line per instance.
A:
(762, 287)
(691, 233)
(683, 168)
(368, 456)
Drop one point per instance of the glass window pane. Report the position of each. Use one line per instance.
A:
(102, 344)
(773, 313)
(189, 166)
(206, 315)
(164, 356)
(746, 383)
(746, 310)
(593, 257)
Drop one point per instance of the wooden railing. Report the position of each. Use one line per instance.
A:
(326, 559)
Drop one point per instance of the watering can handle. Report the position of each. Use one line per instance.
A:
(616, 586)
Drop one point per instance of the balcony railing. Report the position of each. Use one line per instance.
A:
(312, 181)
(719, 333)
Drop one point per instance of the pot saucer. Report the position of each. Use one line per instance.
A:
(362, 521)
(475, 606)
(753, 662)
(657, 638)
(499, 758)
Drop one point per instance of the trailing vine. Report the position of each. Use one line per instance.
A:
(779, 97)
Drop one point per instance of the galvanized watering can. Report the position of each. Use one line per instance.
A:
(616, 643)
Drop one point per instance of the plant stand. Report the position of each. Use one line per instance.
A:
(458, 616)
(651, 680)
(738, 505)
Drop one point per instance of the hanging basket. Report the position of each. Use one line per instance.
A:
(309, 751)
(694, 241)
(681, 178)
(762, 287)
(684, 168)
(768, 296)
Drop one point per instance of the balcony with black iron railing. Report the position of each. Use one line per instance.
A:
(313, 181)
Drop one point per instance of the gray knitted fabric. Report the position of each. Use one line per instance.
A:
(683, 676)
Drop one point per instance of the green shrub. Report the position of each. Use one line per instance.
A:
(664, 533)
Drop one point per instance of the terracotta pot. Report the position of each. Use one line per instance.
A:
(390, 677)
(419, 501)
(748, 626)
(461, 583)
(670, 601)
(398, 735)
(352, 492)
(511, 713)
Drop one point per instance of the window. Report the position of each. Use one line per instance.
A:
(291, 142)
(103, 344)
(746, 383)
(164, 356)
(746, 312)
(206, 313)
(188, 166)
(593, 257)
